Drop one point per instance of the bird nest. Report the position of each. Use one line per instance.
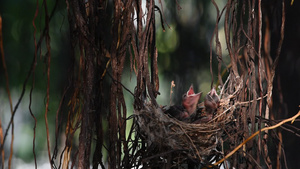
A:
(196, 141)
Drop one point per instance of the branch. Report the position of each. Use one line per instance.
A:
(292, 119)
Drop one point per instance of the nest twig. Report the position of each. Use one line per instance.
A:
(197, 141)
(189, 140)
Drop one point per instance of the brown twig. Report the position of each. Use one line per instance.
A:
(33, 83)
(1, 141)
(8, 93)
(291, 119)
(171, 91)
(48, 56)
(42, 36)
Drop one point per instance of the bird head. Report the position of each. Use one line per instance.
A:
(190, 100)
(212, 101)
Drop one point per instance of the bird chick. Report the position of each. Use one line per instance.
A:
(212, 101)
(188, 106)
(190, 100)
(178, 112)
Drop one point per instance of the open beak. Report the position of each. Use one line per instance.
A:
(190, 91)
(190, 101)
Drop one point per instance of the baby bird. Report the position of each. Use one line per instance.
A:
(211, 102)
(188, 105)
(205, 113)
(190, 100)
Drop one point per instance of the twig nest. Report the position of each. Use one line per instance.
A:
(195, 140)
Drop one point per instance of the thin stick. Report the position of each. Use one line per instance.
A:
(48, 55)
(1, 142)
(292, 119)
(171, 91)
(8, 93)
(33, 82)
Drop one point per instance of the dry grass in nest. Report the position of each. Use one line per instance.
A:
(197, 141)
